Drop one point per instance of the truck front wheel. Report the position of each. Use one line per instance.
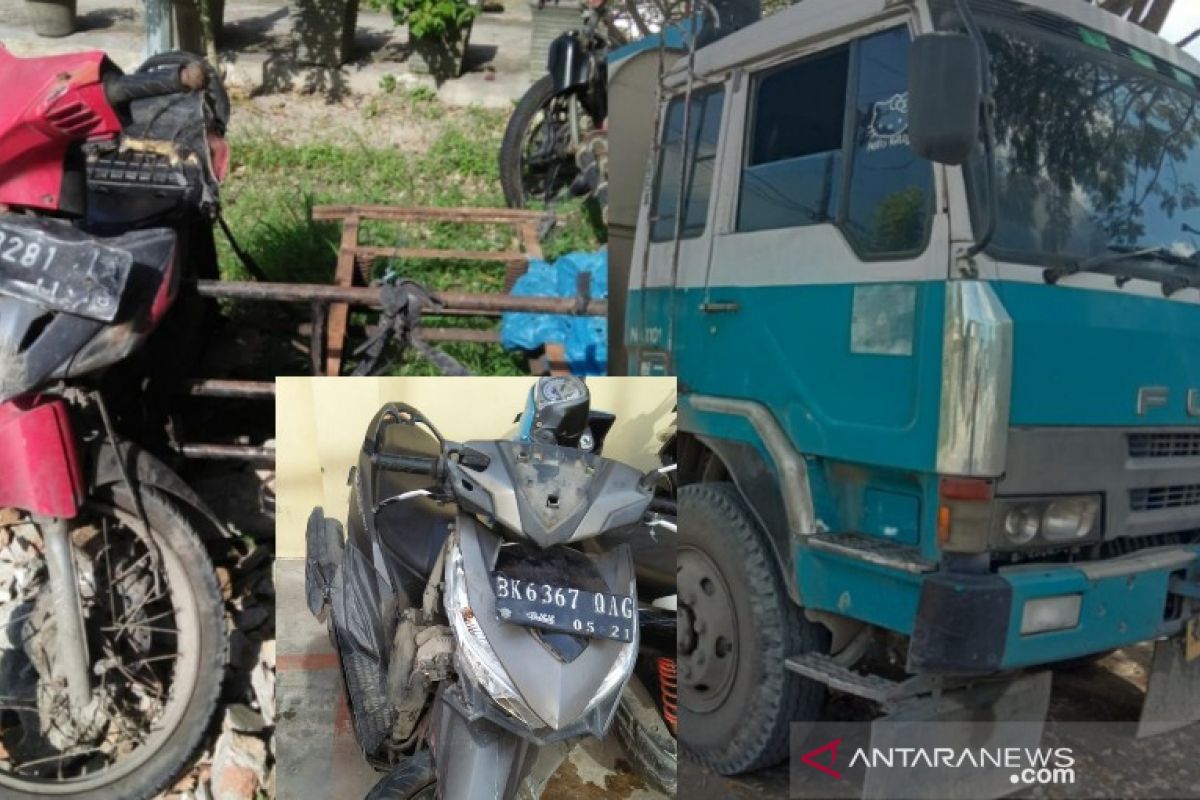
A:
(737, 625)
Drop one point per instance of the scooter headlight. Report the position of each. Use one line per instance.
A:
(615, 680)
(474, 654)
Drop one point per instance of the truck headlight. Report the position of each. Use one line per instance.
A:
(1022, 524)
(1070, 519)
(1029, 523)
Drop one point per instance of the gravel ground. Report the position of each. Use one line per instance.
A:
(1110, 762)
(237, 761)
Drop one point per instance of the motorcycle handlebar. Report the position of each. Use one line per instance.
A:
(121, 89)
(414, 465)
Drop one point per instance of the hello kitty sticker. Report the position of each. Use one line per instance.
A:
(889, 123)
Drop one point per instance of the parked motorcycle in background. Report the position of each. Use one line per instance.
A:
(484, 602)
(555, 145)
(112, 633)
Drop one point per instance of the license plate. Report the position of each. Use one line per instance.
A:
(564, 609)
(1192, 650)
(78, 277)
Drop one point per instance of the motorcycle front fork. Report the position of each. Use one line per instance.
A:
(71, 652)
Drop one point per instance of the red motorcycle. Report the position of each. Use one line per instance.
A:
(112, 632)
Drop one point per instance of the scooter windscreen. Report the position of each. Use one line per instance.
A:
(547, 493)
(548, 636)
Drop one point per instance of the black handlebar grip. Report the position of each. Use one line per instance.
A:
(120, 89)
(416, 465)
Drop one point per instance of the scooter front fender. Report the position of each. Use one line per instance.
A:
(479, 760)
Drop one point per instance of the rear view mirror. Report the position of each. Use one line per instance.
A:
(944, 96)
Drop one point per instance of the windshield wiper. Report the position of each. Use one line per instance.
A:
(1174, 271)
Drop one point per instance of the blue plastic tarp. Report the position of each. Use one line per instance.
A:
(585, 339)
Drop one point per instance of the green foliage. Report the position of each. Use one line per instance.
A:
(423, 95)
(270, 197)
(432, 19)
(388, 83)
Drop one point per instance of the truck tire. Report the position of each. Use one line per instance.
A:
(737, 626)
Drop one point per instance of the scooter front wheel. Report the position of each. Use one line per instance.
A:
(412, 779)
(157, 645)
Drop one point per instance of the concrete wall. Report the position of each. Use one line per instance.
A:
(320, 423)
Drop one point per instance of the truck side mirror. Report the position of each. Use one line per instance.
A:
(944, 93)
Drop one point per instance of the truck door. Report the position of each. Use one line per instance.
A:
(823, 295)
(666, 265)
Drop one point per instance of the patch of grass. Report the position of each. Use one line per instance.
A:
(270, 196)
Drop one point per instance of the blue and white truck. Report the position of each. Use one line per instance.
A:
(928, 274)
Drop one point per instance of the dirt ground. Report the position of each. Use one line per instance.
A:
(1114, 765)
(405, 119)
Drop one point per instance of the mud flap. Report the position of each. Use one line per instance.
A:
(324, 548)
(980, 716)
(1173, 691)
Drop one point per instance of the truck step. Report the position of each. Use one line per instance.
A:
(872, 550)
(823, 669)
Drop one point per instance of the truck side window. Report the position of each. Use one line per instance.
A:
(793, 168)
(704, 123)
(798, 170)
(890, 196)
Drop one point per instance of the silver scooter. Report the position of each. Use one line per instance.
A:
(484, 601)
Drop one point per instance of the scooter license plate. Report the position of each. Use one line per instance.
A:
(85, 278)
(1192, 648)
(564, 609)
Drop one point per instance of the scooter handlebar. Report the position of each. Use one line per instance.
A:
(121, 89)
(414, 465)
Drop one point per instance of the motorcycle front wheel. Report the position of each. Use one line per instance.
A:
(537, 160)
(157, 648)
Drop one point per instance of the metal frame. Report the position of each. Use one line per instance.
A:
(355, 260)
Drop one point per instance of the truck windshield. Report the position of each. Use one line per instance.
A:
(1098, 146)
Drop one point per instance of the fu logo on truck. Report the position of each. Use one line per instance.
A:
(1150, 397)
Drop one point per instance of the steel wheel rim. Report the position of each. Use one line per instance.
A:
(708, 670)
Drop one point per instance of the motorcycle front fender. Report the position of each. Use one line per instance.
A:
(479, 760)
(567, 62)
(42, 474)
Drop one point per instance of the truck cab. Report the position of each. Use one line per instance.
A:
(953, 404)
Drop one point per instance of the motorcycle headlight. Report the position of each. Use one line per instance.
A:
(474, 655)
(614, 682)
(476, 659)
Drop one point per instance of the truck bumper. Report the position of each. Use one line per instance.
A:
(968, 623)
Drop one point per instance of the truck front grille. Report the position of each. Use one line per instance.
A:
(1164, 445)
(1126, 545)
(1160, 497)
